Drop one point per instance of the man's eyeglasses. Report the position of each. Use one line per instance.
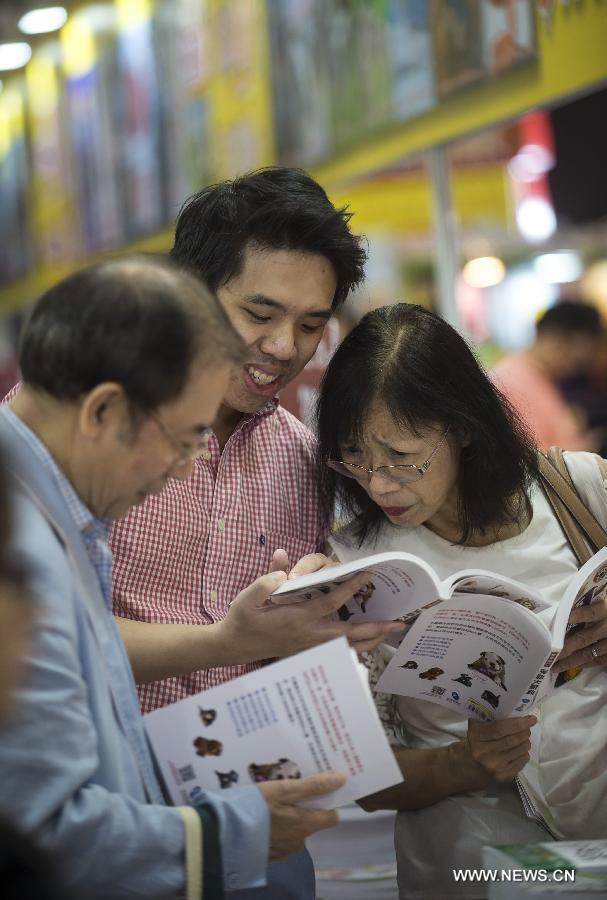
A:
(403, 474)
(184, 451)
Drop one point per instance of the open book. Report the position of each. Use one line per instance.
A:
(305, 714)
(478, 642)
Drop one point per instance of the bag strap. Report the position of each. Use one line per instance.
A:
(581, 529)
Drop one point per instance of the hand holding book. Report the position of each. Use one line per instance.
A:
(586, 647)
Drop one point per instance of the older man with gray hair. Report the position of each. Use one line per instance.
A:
(124, 365)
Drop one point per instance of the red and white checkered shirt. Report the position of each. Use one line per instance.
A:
(184, 554)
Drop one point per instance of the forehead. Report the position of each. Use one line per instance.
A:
(300, 282)
(379, 422)
(379, 425)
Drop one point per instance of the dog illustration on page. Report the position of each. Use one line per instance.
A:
(492, 665)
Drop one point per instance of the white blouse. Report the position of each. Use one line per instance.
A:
(567, 785)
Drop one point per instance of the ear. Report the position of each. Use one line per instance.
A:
(102, 409)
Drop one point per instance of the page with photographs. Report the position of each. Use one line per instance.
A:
(398, 584)
(480, 582)
(479, 654)
(296, 717)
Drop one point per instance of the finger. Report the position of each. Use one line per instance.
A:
(317, 819)
(509, 746)
(370, 630)
(366, 646)
(328, 603)
(587, 658)
(512, 769)
(496, 731)
(295, 790)
(258, 592)
(371, 636)
(280, 561)
(591, 634)
(593, 612)
(308, 564)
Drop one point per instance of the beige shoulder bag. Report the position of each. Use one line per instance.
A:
(581, 529)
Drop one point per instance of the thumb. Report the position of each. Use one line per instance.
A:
(280, 561)
(259, 591)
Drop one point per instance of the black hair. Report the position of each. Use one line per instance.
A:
(276, 208)
(424, 372)
(139, 321)
(569, 317)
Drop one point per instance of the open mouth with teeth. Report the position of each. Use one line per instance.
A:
(262, 379)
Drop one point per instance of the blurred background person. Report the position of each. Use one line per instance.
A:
(25, 871)
(566, 342)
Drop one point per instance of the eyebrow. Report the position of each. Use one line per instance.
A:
(395, 449)
(263, 300)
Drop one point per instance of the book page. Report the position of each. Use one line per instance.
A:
(398, 584)
(302, 715)
(482, 582)
(479, 655)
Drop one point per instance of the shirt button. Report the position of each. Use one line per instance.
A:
(233, 880)
(221, 524)
(206, 454)
(213, 596)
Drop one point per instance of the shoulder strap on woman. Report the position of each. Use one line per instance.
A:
(581, 529)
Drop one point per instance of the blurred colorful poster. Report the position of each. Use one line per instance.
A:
(15, 252)
(89, 69)
(343, 69)
(478, 39)
(137, 108)
(359, 68)
(241, 123)
(300, 80)
(54, 229)
(182, 39)
(410, 58)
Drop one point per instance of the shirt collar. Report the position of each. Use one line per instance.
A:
(251, 420)
(85, 521)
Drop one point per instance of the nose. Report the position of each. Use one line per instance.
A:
(280, 343)
(380, 484)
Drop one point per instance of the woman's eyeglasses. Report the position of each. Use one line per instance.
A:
(403, 474)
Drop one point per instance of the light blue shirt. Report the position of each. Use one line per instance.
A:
(76, 768)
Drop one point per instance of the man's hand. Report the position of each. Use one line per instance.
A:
(257, 629)
(305, 566)
(501, 749)
(587, 648)
(290, 824)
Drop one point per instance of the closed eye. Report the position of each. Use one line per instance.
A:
(313, 329)
(257, 318)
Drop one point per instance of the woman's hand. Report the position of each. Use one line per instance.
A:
(587, 648)
(501, 749)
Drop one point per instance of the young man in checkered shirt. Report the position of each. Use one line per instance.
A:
(281, 260)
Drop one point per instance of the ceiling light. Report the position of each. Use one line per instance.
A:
(14, 56)
(558, 268)
(483, 272)
(42, 21)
